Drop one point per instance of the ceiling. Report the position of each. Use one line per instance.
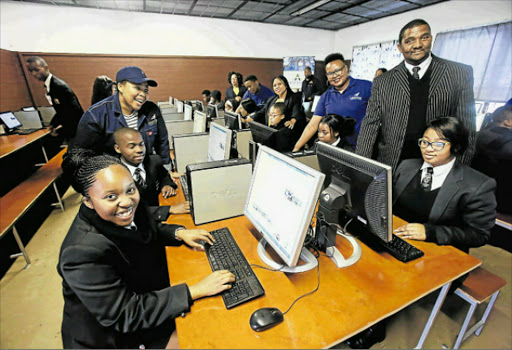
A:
(321, 14)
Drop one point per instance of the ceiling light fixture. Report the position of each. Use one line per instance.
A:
(310, 7)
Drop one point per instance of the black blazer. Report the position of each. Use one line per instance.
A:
(116, 284)
(156, 178)
(285, 138)
(68, 110)
(294, 109)
(383, 128)
(231, 94)
(464, 211)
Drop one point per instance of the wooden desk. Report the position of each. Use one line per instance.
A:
(348, 300)
(11, 143)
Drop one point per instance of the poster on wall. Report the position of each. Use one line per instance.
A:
(368, 58)
(293, 69)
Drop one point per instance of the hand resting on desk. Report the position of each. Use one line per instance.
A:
(180, 208)
(168, 191)
(411, 231)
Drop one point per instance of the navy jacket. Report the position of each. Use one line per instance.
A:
(97, 126)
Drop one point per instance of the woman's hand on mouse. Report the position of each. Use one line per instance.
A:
(193, 237)
(213, 284)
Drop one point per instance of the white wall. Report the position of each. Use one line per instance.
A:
(450, 15)
(32, 27)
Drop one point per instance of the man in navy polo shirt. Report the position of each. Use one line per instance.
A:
(257, 92)
(346, 96)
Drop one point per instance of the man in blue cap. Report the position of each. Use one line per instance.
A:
(128, 107)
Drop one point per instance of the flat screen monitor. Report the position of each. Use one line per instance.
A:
(179, 107)
(232, 120)
(10, 120)
(199, 122)
(211, 111)
(175, 102)
(171, 100)
(219, 143)
(263, 134)
(357, 188)
(315, 102)
(187, 109)
(280, 204)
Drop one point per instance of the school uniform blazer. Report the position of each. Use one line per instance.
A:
(68, 110)
(464, 211)
(294, 109)
(116, 285)
(156, 178)
(383, 128)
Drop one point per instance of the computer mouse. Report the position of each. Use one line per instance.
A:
(265, 318)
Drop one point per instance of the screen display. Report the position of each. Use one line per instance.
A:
(10, 120)
(219, 143)
(188, 112)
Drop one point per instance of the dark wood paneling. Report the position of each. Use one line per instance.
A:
(181, 77)
(13, 90)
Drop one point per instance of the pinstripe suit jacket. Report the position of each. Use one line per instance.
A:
(450, 94)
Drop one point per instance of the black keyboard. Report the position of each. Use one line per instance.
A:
(184, 186)
(225, 254)
(402, 250)
(26, 131)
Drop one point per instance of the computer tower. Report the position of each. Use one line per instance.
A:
(218, 189)
(190, 149)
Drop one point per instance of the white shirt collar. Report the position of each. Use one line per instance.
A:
(440, 173)
(131, 226)
(423, 66)
(132, 168)
(335, 143)
(47, 82)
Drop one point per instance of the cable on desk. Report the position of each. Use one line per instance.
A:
(309, 293)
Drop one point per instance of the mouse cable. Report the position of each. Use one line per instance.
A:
(308, 293)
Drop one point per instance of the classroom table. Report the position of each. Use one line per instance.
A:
(348, 301)
(14, 142)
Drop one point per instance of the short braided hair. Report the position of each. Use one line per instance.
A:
(80, 166)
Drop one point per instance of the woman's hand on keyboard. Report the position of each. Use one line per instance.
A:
(215, 283)
(193, 237)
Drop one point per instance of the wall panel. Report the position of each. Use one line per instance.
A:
(13, 90)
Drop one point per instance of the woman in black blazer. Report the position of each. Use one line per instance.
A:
(237, 88)
(294, 112)
(113, 266)
(333, 129)
(458, 206)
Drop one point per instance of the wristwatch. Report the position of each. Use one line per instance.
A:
(176, 233)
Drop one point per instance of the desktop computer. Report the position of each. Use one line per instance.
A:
(232, 120)
(199, 121)
(281, 201)
(190, 149)
(219, 143)
(263, 134)
(187, 112)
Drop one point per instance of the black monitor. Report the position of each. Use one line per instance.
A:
(232, 120)
(211, 111)
(357, 189)
(263, 134)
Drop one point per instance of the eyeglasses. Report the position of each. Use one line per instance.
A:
(336, 72)
(436, 146)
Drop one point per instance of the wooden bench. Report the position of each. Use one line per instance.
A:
(21, 198)
(479, 286)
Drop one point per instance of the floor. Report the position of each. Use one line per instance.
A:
(31, 300)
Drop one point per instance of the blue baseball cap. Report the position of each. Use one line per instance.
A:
(134, 75)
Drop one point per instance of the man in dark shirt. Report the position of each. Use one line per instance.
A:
(311, 86)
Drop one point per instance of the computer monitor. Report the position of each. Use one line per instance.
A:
(357, 188)
(10, 121)
(232, 120)
(211, 111)
(263, 134)
(199, 122)
(280, 204)
(219, 143)
(187, 109)
(171, 100)
(179, 106)
(175, 102)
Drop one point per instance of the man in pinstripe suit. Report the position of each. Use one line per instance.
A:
(418, 90)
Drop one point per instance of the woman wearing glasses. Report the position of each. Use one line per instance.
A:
(443, 200)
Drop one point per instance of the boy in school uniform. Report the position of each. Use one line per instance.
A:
(151, 178)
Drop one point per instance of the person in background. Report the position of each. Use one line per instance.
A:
(335, 130)
(206, 98)
(418, 90)
(285, 138)
(493, 155)
(380, 71)
(311, 86)
(247, 109)
(345, 96)
(216, 99)
(237, 89)
(294, 112)
(129, 107)
(257, 92)
(231, 105)
(113, 266)
(102, 88)
(68, 110)
(149, 174)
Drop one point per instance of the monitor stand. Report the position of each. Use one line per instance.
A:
(305, 255)
(338, 258)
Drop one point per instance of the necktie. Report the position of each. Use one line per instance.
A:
(426, 182)
(137, 177)
(415, 74)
